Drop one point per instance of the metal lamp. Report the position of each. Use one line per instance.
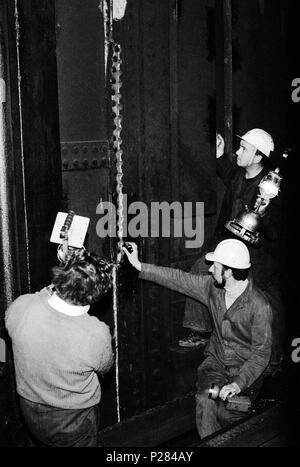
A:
(247, 224)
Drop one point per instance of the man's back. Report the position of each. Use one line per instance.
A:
(56, 355)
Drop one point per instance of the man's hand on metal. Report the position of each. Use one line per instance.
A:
(131, 251)
(229, 390)
(220, 145)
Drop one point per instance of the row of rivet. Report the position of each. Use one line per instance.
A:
(85, 156)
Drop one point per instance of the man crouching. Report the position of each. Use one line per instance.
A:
(239, 349)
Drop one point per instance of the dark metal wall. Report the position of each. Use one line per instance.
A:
(35, 128)
(168, 84)
(9, 282)
(32, 165)
(168, 89)
(261, 90)
(80, 54)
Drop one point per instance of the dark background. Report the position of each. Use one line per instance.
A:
(292, 257)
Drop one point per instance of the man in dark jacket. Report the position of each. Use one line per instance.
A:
(239, 349)
(241, 178)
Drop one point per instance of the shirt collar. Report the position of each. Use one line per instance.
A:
(67, 308)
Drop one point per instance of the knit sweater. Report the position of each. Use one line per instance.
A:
(57, 356)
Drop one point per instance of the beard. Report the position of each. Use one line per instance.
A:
(220, 285)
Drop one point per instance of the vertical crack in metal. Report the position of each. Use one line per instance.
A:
(117, 143)
(106, 7)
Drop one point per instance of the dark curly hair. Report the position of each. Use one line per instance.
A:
(238, 274)
(82, 278)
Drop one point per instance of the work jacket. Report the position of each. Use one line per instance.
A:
(241, 336)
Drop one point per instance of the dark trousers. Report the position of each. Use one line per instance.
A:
(212, 414)
(55, 427)
(196, 315)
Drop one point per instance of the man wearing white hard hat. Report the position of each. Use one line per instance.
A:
(241, 176)
(239, 348)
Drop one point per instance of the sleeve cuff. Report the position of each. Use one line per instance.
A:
(239, 381)
(146, 268)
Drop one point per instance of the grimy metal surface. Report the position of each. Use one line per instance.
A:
(228, 74)
(41, 147)
(9, 283)
(7, 273)
(30, 161)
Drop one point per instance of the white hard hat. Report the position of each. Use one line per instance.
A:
(232, 253)
(260, 139)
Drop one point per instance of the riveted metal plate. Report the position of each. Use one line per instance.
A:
(84, 155)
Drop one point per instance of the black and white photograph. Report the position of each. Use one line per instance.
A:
(149, 243)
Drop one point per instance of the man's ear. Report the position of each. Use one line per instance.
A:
(228, 272)
(257, 159)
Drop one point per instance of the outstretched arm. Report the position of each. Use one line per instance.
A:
(194, 286)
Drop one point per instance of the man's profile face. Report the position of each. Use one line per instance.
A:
(245, 154)
(217, 272)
